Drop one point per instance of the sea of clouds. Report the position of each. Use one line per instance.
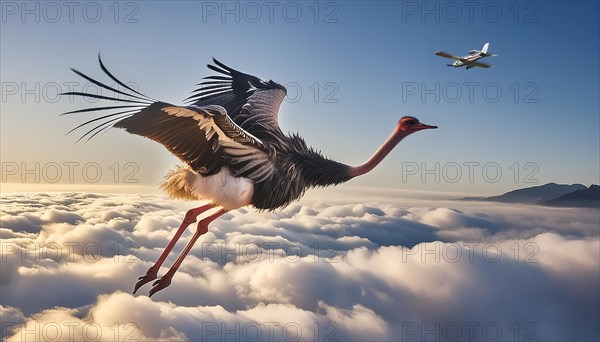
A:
(365, 269)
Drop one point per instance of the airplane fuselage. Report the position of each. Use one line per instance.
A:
(468, 60)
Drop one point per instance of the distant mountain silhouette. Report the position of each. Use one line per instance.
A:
(588, 198)
(536, 194)
(551, 194)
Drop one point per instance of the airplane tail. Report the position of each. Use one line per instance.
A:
(485, 51)
(485, 48)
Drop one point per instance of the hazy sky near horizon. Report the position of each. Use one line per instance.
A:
(352, 70)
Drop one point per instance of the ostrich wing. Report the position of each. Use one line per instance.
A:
(204, 137)
(252, 103)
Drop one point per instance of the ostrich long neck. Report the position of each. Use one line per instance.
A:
(378, 156)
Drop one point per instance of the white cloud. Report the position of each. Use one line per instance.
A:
(345, 271)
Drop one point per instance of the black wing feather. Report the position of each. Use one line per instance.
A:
(119, 82)
(195, 133)
(243, 96)
(180, 135)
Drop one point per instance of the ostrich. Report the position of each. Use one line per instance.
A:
(234, 152)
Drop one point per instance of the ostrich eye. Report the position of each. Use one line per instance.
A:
(410, 122)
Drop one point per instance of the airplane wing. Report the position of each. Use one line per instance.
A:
(481, 64)
(447, 55)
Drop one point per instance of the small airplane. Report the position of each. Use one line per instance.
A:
(470, 60)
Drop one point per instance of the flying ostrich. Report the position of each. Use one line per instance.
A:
(234, 151)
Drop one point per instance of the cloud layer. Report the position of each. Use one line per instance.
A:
(386, 269)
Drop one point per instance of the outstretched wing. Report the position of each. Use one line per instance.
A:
(253, 104)
(447, 55)
(204, 137)
(193, 134)
(481, 64)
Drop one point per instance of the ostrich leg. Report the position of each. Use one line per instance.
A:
(190, 217)
(165, 280)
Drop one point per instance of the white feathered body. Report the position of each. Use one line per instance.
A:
(221, 188)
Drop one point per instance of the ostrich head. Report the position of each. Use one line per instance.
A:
(409, 124)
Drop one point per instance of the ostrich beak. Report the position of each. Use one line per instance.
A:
(422, 126)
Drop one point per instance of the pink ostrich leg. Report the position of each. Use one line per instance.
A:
(165, 280)
(190, 217)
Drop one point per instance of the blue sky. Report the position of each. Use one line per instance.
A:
(371, 61)
(393, 266)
